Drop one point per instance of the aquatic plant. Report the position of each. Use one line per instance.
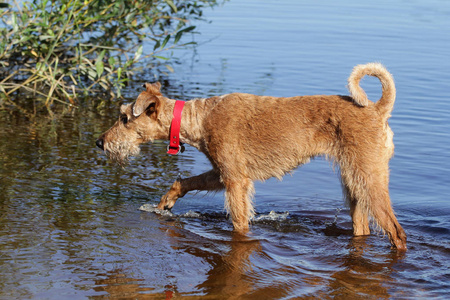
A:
(59, 50)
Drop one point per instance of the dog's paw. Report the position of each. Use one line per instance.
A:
(168, 200)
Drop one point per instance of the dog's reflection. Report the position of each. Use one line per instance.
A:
(238, 267)
(228, 278)
(230, 258)
(364, 272)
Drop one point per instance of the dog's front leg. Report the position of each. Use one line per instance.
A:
(238, 202)
(209, 181)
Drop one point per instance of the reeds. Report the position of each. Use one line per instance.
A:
(56, 51)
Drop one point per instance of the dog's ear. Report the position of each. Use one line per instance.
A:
(153, 88)
(146, 102)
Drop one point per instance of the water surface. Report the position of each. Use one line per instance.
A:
(70, 225)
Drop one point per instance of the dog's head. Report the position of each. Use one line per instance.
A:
(139, 122)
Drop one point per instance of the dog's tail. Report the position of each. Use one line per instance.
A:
(386, 102)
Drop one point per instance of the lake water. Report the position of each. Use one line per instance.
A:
(70, 225)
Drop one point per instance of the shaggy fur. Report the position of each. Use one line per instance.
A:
(248, 137)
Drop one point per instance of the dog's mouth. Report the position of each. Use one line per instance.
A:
(120, 153)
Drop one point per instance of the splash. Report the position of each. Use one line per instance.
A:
(272, 216)
(154, 209)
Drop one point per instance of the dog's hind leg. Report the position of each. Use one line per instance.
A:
(209, 181)
(383, 214)
(368, 193)
(359, 213)
(360, 218)
(238, 195)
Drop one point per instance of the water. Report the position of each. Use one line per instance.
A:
(70, 224)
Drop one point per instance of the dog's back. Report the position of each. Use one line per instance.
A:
(270, 136)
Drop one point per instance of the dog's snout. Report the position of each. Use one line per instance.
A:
(99, 143)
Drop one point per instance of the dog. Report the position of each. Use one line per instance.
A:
(248, 137)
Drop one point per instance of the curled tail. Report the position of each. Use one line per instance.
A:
(386, 102)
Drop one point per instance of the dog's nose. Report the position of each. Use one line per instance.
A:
(99, 143)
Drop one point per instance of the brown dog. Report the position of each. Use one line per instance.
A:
(248, 137)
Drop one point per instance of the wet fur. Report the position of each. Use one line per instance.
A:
(248, 137)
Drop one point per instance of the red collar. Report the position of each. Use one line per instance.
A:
(175, 145)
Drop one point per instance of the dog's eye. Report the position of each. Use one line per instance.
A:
(124, 119)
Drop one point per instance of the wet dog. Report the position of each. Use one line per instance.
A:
(248, 137)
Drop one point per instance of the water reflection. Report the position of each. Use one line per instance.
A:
(363, 275)
(231, 265)
(117, 284)
(230, 271)
(243, 267)
(228, 277)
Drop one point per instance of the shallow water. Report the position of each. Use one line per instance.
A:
(70, 222)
